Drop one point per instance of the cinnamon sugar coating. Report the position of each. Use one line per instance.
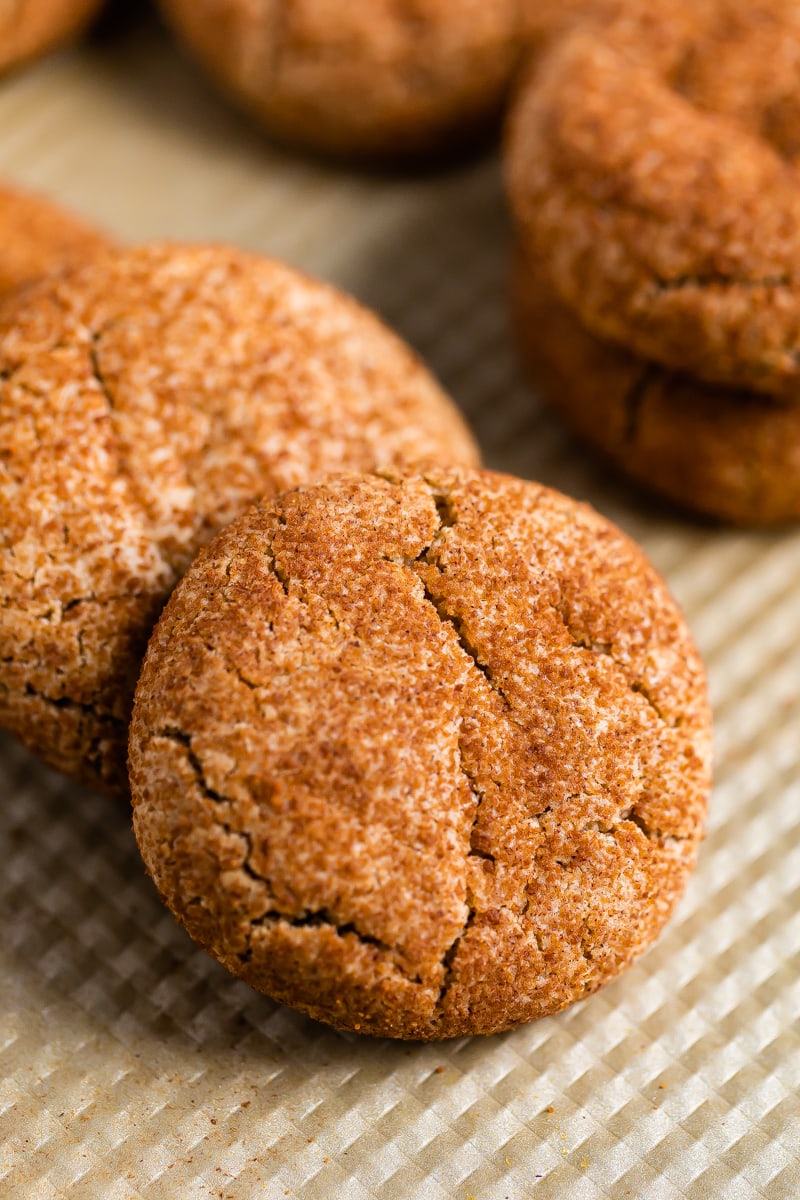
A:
(146, 400)
(37, 237)
(654, 174)
(374, 78)
(421, 756)
(29, 28)
(729, 454)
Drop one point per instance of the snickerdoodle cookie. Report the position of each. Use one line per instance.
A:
(373, 78)
(29, 28)
(147, 399)
(37, 237)
(729, 454)
(654, 173)
(421, 756)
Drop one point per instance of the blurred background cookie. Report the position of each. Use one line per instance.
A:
(145, 401)
(365, 78)
(30, 28)
(421, 756)
(38, 236)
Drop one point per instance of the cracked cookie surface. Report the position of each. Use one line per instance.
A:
(731, 455)
(374, 78)
(654, 173)
(146, 400)
(37, 237)
(29, 28)
(421, 755)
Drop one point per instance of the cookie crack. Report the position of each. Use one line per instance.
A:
(630, 816)
(91, 710)
(217, 798)
(97, 373)
(633, 402)
(456, 624)
(603, 648)
(653, 834)
(680, 283)
(449, 956)
(321, 917)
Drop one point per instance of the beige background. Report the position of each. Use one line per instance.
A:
(130, 1064)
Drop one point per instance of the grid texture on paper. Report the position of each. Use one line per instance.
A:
(131, 1065)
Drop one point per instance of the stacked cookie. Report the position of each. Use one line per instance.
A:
(653, 176)
(420, 749)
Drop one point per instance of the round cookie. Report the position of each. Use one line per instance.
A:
(421, 756)
(34, 27)
(37, 237)
(146, 400)
(372, 78)
(731, 455)
(654, 174)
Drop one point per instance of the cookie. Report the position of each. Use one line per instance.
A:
(421, 755)
(654, 173)
(37, 237)
(728, 454)
(545, 20)
(146, 400)
(34, 27)
(369, 78)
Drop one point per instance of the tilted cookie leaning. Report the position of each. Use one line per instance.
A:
(145, 401)
(421, 755)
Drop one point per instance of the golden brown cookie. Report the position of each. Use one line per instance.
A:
(732, 455)
(421, 756)
(654, 174)
(37, 237)
(374, 78)
(29, 28)
(146, 400)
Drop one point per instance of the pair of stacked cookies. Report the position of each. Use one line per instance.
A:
(421, 750)
(653, 176)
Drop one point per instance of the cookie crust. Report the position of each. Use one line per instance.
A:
(421, 756)
(371, 78)
(146, 400)
(33, 28)
(653, 172)
(38, 237)
(728, 454)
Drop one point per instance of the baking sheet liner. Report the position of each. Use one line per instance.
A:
(132, 1065)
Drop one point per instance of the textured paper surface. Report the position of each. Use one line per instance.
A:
(133, 1066)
